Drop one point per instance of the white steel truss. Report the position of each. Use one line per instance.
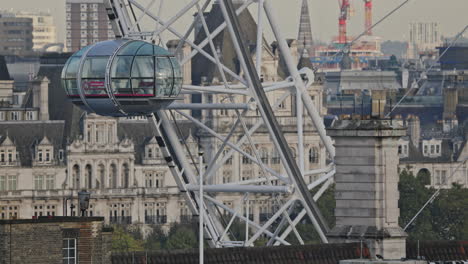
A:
(252, 114)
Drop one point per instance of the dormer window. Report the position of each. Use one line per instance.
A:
(432, 148)
(61, 155)
(44, 152)
(150, 153)
(8, 154)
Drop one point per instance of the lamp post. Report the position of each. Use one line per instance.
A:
(200, 206)
(83, 199)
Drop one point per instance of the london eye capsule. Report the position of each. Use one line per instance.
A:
(122, 78)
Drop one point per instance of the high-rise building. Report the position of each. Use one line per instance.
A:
(15, 34)
(87, 23)
(305, 40)
(44, 29)
(425, 36)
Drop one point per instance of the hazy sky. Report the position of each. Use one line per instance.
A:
(451, 14)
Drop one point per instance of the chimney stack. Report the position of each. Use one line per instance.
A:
(367, 186)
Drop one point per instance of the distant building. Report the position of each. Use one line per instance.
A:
(455, 58)
(87, 23)
(361, 52)
(356, 82)
(44, 29)
(16, 35)
(424, 37)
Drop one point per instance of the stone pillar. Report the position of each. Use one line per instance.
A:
(367, 186)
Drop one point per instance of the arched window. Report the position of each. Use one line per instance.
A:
(100, 182)
(228, 161)
(313, 155)
(264, 155)
(113, 176)
(88, 176)
(76, 176)
(275, 157)
(293, 151)
(125, 176)
(245, 159)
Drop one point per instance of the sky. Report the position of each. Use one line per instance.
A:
(451, 14)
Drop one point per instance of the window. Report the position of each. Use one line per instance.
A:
(425, 149)
(61, 155)
(226, 177)
(432, 149)
(159, 181)
(264, 155)
(149, 179)
(150, 153)
(101, 134)
(8, 212)
(275, 158)
(30, 115)
(313, 155)
(50, 182)
(437, 149)
(229, 160)
(12, 182)
(3, 183)
(47, 158)
(69, 250)
(443, 177)
(14, 116)
(245, 159)
(38, 182)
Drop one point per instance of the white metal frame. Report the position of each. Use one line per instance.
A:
(288, 194)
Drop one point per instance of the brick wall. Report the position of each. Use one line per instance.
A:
(40, 240)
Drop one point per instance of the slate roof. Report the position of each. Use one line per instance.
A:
(306, 254)
(316, 254)
(4, 74)
(25, 134)
(415, 155)
(60, 108)
(438, 250)
(140, 132)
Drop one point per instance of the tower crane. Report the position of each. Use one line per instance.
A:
(345, 8)
(368, 17)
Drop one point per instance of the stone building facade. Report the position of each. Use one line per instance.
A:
(47, 159)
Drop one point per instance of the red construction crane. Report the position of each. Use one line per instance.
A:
(344, 14)
(368, 17)
(345, 8)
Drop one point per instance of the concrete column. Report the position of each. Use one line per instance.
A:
(367, 186)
